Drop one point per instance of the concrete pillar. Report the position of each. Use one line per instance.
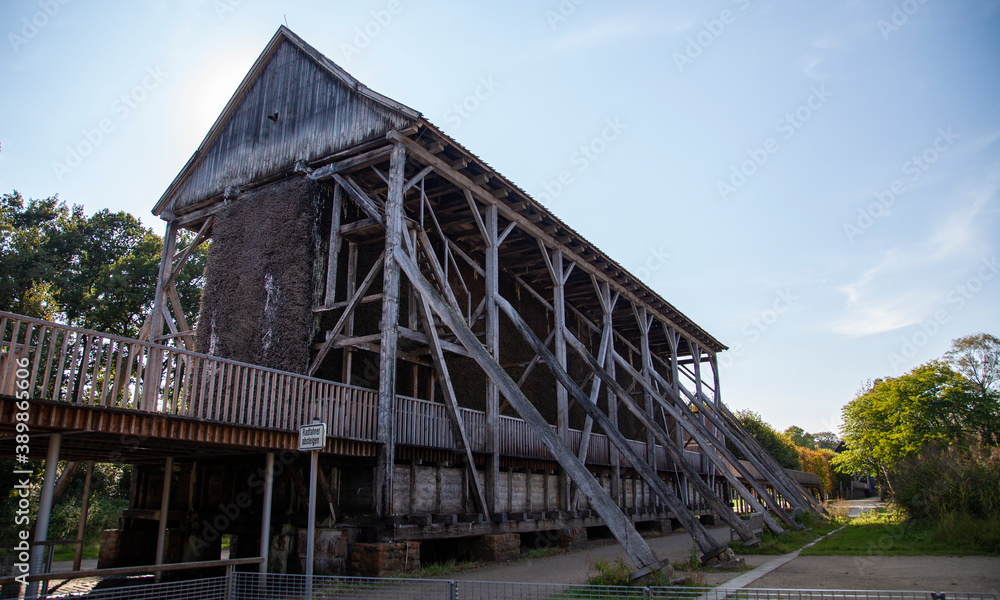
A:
(265, 524)
(44, 511)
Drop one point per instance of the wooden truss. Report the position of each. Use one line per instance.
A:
(450, 240)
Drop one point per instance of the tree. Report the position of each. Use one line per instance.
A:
(777, 444)
(977, 357)
(98, 272)
(826, 440)
(800, 438)
(896, 417)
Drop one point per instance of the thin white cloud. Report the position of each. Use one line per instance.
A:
(610, 31)
(809, 64)
(875, 301)
(825, 42)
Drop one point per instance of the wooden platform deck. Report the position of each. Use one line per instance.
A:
(127, 400)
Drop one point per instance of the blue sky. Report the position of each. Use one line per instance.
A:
(813, 183)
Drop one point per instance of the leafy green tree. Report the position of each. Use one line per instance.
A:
(896, 417)
(977, 357)
(800, 437)
(97, 272)
(826, 440)
(777, 444)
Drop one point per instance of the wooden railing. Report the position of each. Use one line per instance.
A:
(79, 366)
(83, 367)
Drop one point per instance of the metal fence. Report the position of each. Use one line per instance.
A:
(252, 586)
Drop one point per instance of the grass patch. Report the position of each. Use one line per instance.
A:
(67, 552)
(441, 569)
(617, 571)
(540, 552)
(771, 543)
(890, 533)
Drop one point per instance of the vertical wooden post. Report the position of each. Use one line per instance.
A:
(333, 251)
(492, 437)
(154, 362)
(161, 536)
(160, 297)
(644, 320)
(673, 340)
(616, 468)
(81, 528)
(554, 260)
(352, 281)
(382, 490)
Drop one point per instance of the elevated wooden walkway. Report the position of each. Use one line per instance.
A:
(126, 400)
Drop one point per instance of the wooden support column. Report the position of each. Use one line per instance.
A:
(620, 526)
(696, 356)
(616, 467)
(607, 339)
(705, 542)
(559, 274)
(352, 281)
(645, 321)
(492, 418)
(382, 489)
(161, 536)
(81, 528)
(160, 297)
(333, 250)
(151, 379)
(683, 415)
(451, 400)
(674, 340)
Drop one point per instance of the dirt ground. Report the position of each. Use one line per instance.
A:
(930, 573)
(926, 573)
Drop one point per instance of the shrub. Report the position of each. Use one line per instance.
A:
(946, 484)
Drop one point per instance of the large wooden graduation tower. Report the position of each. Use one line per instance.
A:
(482, 368)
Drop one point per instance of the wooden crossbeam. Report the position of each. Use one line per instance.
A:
(694, 428)
(361, 199)
(721, 507)
(451, 405)
(348, 311)
(760, 453)
(705, 542)
(620, 525)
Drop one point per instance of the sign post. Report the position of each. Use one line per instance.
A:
(312, 438)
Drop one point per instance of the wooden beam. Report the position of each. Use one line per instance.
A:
(348, 311)
(451, 406)
(492, 338)
(333, 254)
(385, 456)
(182, 258)
(355, 162)
(361, 199)
(707, 544)
(619, 525)
(720, 506)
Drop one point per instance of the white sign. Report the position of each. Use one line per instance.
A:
(312, 437)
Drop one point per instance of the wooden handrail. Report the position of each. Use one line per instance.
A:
(208, 564)
(158, 379)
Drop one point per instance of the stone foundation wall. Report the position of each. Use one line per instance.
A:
(376, 560)
(493, 548)
(572, 537)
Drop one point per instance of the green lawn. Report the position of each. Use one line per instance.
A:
(66, 552)
(771, 543)
(886, 532)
